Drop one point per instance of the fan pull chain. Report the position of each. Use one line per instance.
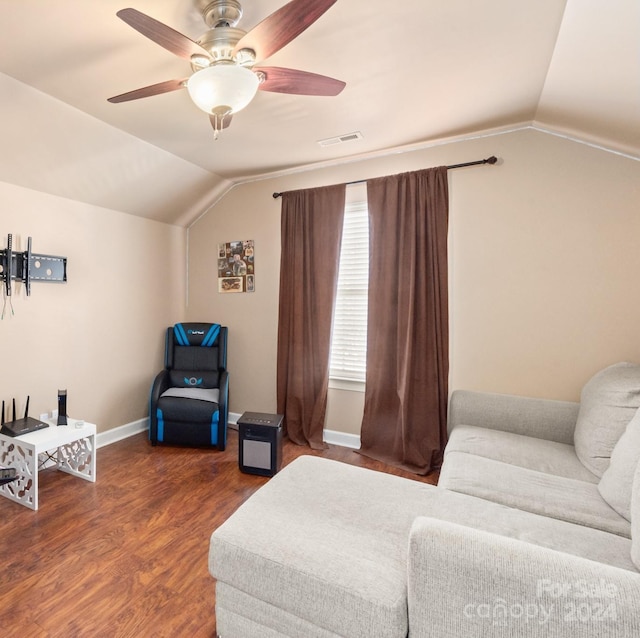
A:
(217, 120)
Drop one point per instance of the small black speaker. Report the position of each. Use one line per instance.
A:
(260, 443)
(62, 407)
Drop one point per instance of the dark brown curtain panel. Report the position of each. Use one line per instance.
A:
(405, 411)
(311, 235)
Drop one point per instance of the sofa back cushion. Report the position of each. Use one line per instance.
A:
(635, 520)
(616, 483)
(607, 404)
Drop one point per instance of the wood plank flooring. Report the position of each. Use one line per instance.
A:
(127, 556)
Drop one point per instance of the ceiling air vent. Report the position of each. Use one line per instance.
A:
(341, 139)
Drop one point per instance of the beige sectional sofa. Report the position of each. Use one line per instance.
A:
(533, 530)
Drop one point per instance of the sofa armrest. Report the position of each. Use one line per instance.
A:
(540, 418)
(471, 583)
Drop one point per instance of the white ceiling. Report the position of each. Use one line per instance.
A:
(417, 71)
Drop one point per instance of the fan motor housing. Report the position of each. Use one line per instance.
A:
(220, 43)
(221, 13)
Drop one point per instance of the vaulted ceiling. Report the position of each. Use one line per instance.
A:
(416, 72)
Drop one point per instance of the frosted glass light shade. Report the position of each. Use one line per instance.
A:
(226, 85)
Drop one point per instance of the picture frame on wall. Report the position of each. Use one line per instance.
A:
(236, 266)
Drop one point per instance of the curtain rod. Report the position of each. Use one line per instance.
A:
(490, 160)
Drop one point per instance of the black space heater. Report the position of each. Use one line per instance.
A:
(260, 443)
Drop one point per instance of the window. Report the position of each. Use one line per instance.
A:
(349, 335)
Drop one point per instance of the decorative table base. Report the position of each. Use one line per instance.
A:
(76, 454)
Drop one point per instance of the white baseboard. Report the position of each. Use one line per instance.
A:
(121, 432)
(343, 439)
(141, 425)
(232, 421)
(332, 437)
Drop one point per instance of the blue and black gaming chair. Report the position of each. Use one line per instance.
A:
(188, 404)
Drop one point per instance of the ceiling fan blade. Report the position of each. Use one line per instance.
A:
(279, 80)
(148, 91)
(282, 26)
(161, 34)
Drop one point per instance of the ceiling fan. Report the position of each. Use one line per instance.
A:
(225, 78)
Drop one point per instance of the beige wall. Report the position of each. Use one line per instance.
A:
(100, 335)
(543, 268)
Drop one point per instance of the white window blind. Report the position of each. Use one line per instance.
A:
(349, 333)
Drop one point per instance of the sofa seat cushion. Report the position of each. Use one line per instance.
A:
(608, 402)
(541, 455)
(543, 531)
(559, 497)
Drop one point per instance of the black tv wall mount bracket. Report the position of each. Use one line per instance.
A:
(27, 267)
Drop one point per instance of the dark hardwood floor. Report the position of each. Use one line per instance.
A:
(127, 556)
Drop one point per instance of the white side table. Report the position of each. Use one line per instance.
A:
(76, 454)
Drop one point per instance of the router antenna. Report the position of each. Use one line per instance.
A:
(14, 408)
(2, 411)
(26, 408)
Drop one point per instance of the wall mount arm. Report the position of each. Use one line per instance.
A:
(27, 267)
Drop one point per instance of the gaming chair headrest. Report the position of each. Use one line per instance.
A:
(196, 334)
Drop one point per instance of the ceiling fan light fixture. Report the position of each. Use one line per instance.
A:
(225, 85)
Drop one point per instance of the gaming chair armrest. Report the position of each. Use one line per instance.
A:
(160, 384)
(223, 406)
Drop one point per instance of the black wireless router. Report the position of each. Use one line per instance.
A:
(7, 474)
(25, 425)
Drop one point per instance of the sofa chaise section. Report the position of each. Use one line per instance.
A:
(322, 550)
